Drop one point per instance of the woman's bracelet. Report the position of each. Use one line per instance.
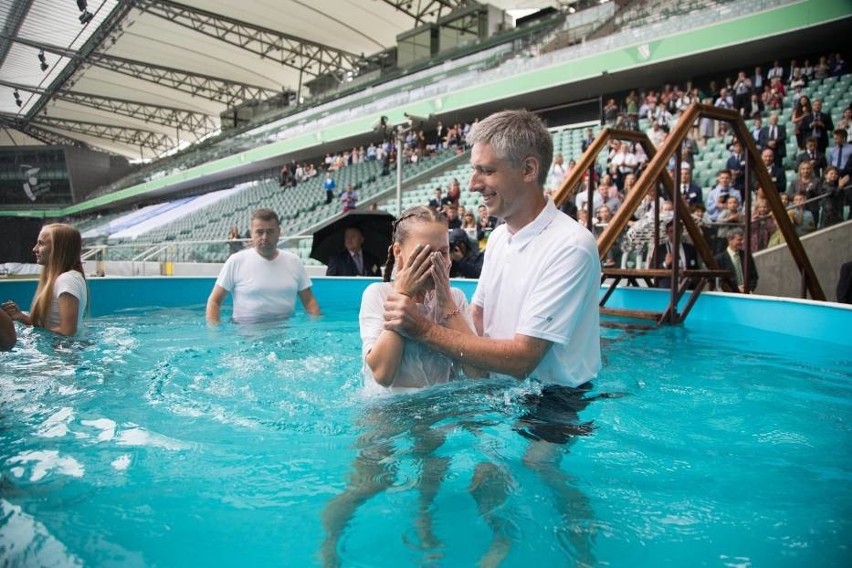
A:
(451, 315)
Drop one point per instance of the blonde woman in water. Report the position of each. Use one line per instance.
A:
(62, 295)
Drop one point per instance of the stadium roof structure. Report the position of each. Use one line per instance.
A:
(141, 77)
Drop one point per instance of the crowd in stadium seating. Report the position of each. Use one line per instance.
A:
(778, 105)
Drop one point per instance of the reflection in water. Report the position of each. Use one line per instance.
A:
(549, 418)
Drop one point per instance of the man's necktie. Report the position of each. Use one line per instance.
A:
(738, 268)
(359, 263)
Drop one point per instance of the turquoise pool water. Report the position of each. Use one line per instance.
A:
(158, 442)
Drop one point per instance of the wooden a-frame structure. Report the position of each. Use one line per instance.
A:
(656, 174)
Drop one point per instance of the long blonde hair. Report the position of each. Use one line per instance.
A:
(65, 248)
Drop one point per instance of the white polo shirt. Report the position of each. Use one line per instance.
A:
(544, 282)
(263, 290)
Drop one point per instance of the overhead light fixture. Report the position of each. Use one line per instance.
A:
(85, 15)
(18, 100)
(43, 59)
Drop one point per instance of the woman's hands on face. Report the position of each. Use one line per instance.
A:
(441, 275)
(414, 276)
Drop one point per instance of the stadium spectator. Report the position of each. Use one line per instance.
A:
(800, 111)
(610, 112)
(840, 153)
(631, 105)
(818, 124)
(776, 173)
(730, 215)
(587, 139)
(742, 93)
(664, 255)
(717, 199)
(736, 165)
(235, 243)
(758, 80)
(774, 137)
(622, 163)
(451, 210)
(263, 280)
(691, 191)
(733, 258)
(469, 221)
(800, 216)
(822, 69)
(62, 295)
(756, 127)
(831, 205)
(656, 134)
(348, 198)
(813, 156)
(485, 223)
(466, 258)
(609, 193)
(328, 185)
(353, 260)
(846, 122)
(763, 225)
(453, 192)
(838, 65)
(437, 201)
(755, 107)
(776, 71)
(807, 70)
(557, 172)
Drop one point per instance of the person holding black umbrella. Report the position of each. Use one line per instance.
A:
(354, 260)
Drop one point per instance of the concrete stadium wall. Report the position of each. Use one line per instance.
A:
(827, 250)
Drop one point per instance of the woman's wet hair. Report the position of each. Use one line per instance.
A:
(401, 229)
(65, 250)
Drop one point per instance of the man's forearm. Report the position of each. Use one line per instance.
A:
(213, 313)
(516, 357)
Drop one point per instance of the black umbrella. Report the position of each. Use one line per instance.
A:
(377, 227)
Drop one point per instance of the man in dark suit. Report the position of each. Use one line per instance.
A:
(774, 137)
(733, 259)
(664, 256)
(814, 156)
(818, 124)
(691, 192)
(776, 173)
(736, 165)
(353, 261)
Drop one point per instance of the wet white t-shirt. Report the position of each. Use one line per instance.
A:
(71, 282)
(262, 289)
(421, 366)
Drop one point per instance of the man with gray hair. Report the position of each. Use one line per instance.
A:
(539, 318)
(535, 308)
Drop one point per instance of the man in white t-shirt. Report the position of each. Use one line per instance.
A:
(263, 280)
